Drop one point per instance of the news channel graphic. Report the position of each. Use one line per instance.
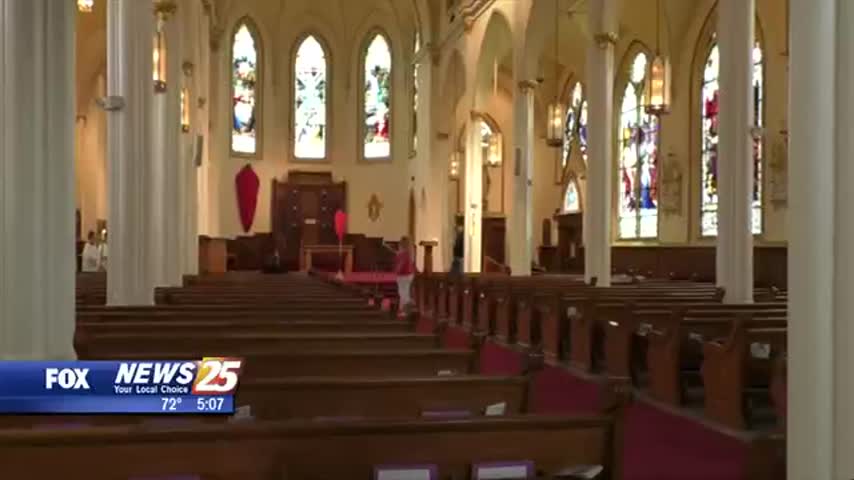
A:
(203, 387)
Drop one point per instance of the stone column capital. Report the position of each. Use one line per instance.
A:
(527, 86)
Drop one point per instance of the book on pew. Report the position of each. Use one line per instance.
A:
(580, 472)
(503, 471)
(496, 409)
(406, 472)
(242, 413)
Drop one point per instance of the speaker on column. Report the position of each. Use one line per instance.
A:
(198, 149)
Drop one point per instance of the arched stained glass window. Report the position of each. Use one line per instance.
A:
(571, 198)
(416, 51)
(582, 130)
(572, 126)
(710, 108)
(310, 93)
(638, 191)
(244, 89)
(377, 100)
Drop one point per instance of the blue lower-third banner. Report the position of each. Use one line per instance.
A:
(111, 404)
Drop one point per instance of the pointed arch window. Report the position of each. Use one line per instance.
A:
(638, 136)
(310, 100)
(710, 108)
(571, 198)
(416, 51)
(244, 89)
(575, 125)
(377, 99)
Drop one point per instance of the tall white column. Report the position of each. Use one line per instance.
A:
(167, 236)
(521, 231)
(820, 260)
(427, 226)
(37, 253)
(201, 99)
(473, 207)
(192, 46)
(600, 87)
(130, 279)
(736, 19)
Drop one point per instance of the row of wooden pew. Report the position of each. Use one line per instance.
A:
(332, 387)
(678, 340)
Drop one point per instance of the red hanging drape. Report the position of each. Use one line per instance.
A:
(247, 184)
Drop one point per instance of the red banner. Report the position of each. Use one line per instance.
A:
(247, 184)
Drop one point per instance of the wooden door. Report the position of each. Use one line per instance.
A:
(310, 208)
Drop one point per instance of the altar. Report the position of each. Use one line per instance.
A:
(307, 253)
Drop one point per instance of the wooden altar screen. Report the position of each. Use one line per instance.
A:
(303, 211)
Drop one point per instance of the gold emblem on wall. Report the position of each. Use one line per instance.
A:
(778, 172)
(375, 207)
(671, 186)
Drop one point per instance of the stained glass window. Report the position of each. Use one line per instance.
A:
(310, 100)
(571, 200)
(485, 137)
(638, 190)
(244, 81)
(582, 131)
(710, 116)
(377, 99)
(572, 127)
(416, 51)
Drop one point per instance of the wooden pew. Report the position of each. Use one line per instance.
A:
(582, 317)
(626, 326)
(739, 367)
(303, 450)
(235, 344)
(183, 326)
(341, 397)
(676, 348)
(227, 312)
(320, 303)
(340, 363)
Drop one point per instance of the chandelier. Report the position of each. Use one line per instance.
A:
(556, 112)
(658, 91)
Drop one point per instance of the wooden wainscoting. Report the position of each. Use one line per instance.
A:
(769, 262)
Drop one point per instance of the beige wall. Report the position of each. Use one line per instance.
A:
(343, 26)
(91, 163)
(90, 132)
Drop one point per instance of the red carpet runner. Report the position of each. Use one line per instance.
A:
(659, 445)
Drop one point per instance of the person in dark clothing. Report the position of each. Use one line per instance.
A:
(274, 265)
(459, 245)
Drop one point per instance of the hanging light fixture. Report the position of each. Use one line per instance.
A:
(159, 62)
(185, 110)
(658, 90)
(493, 152)
(556, 110)
(162, 10)
(85, 6)
(454, 167)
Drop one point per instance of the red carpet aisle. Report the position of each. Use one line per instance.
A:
(657, 443)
